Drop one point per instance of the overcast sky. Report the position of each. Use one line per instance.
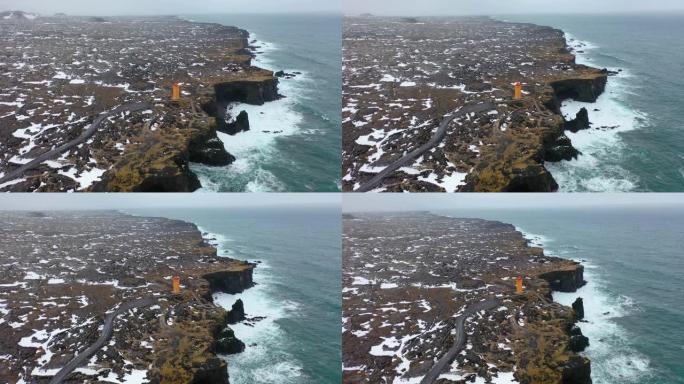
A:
(353, 202)
(84, 201)
(493, 7)
(165, 7)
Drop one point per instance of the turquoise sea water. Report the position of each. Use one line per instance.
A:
(645, 152)
(297, 289)
(634, 266)
(305, 154)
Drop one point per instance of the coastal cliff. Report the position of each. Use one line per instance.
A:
(456, 280)
(144, 150)
(399, 91)
(547, 347)
(190, 355)
(520, 166)
(96, 262)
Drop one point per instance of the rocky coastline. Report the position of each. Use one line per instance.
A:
(52, 302)
(143, 151)
(435, 267)
(401, 79)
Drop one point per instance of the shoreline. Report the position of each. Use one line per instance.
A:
(539, 241)
(599, 324)
(503, 149)
(183, 332)
(528, 337)
(267, 123)
(259, 326)
(608, 118)
(138, 156)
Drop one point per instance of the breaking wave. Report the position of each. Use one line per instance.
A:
(613, 358)
(598, 168)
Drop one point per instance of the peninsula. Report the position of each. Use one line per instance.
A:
(432, 299)
(85, 102)
(428, 104)
(89, 297)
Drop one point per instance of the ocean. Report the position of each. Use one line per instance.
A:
(635, 272)
(643, 148)
(306, 153)
(297, 288)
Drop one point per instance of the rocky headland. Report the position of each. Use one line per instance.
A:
(403, 78)
(65, 272)
(432, 299)
(59, 75)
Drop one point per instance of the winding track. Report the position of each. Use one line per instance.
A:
(459, 342)
(434, 140)
(130, 107)
(107, 331)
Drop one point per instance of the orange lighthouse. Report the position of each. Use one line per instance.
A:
(176, 284)
(175, 92)
(518, 91)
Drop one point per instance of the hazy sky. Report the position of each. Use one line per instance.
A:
(56, 201)
(139, 7)
(353, 202)
(492, 7)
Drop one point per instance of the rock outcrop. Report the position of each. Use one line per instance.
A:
(567, 279)
(207, 148)
(577, 370)
(237, 312)
(578, 342)
(581, 121)
(257, 91)
(586, 88)
(227, 343)
(239, 124)
(560, 149)
(578, 307)
(234, 281)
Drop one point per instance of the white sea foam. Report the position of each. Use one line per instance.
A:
(597, 169)
(255, 147)
(613, 359)
(220, 242)
(260, 362)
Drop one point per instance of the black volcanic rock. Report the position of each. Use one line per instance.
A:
(581, 121)
(577, 371)
(214, 371)
(561, 149)
(237, 312)
(286, 75)
(565, 280)
(227, 343)
(247, 91)
(578, 343)
(230, 281)
(586, 89)
(241, 124)
(578, 307)
(208, 149)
